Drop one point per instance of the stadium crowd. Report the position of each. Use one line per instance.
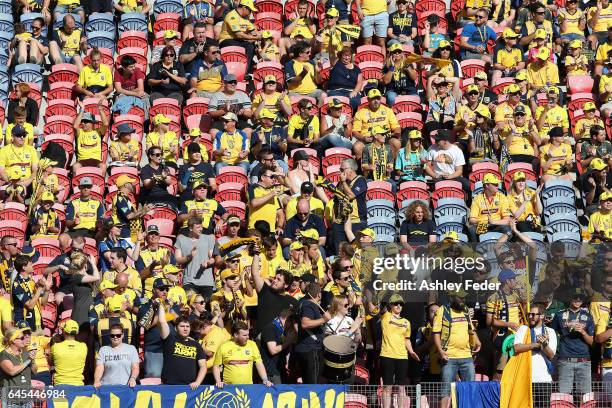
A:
(192, 189)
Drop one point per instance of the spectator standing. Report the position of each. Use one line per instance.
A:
(89, 139)
(264, 202)
(276, 338)
(82, 286)
(69, 356)
(117, 363)
(28, 297)
(374, 16)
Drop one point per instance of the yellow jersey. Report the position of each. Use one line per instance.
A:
(234, 143)
(584, 125)
(602, 52)
(205, 208)
(560, 154)
(89, 77)
(395, 333)
(203, 151)
(465, 110)
(297, 123)
(601, 327)
(509, 59)
(266, 212)
(505, 307)
(125, 151)
(605, 85)
(212, 341)
(308, 84)
(41, 344)
(546, 26)
(87, 211)
(21, 158)
(89, 145)
(270, 266)
(572, 21)
(232, 24)
(521, 140)
(579, 65)
(69, 361)
(505, 113)
(372, 7)
(365, 119)
(29, 139)
(516, 200)
(601, 222)
(600, 308)
(167, 142)
(556, 116)
(543, 76)
(6, 313)
(604, 19)
(494, 209)
(71, 43)
(270, 101)
(237, 361)
(455, 332)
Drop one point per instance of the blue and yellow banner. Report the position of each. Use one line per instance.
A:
(178, 396)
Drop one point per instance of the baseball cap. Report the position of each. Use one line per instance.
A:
(124, 128)
(266, 34)
(310, 233)
(335, 103)
(227, 273)
(521, 75)
(444, 44)
(230, 116)
(22, 325)
(374, 93)
(266, 113)
(47, 196)
(483, 111)
(115, 304)
(161, 118)
(297, 245)
(505, 275)
(85, 181)
(512, 88)
(597, 164)
(269, 79)
(123, 179)
(248, 4)
(490, 178)
(544, 53)
(87, 117)
(589, 106)
(510, 33)
(195, 132)
(193, 148)
(519, 175)
(472, 88)
(301, 32)
(578, 293)
(332, 12)
(605, 196)
(555, 132)
(161, 283)
(229, 77)
(451, 236)
(152, 229)
(30, 252)
(368, 232)
(199, 184)
(107, 284)
(553, 89)
(519, 109)
(396, 298)
(481, 75)
(540, 33)
(415, 134)
(233, 219)
(458, 293)
(307, 187)
(71, 327)
(395, 47)
(575, 44)
(170, 34)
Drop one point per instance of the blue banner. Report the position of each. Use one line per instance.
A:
(178, 396)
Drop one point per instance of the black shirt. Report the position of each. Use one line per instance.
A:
(274, 364)
(197, 172)
(159, 187)
(586, 188)
(418, 233)
(31, 111)
(166, 89)
(189, 47)
(294, 226)
(305, 342)
(402, 24)
(181, 360)
(270, 305)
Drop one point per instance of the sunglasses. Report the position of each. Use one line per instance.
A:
(170, 55)
(397, 304)
(19, 136)
(233, 261)
(397, 52)
(215, 52)
(116, 336)
(34, 28)
(540, 13)
(535, 314)
(231, 82)
(306, 108)
(163, 289)
(19, 338)
(473, 93)
(607, 259)
(156, 154)
(480, 17)
(303, 213)
(519, 114)
(608, 283)
(445, 49)
(201, 302)
(348, 267)
(11, 244)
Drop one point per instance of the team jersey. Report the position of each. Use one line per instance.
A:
(465, 110)
(509, 59)
(134, 281)
(494, 209)
(521, 140)
(168, 142)
(232, 24)
(584, 125)
(129, 151)
(601, 222)
(605, 18)
(504, 307)
(212, 341)
(543, 76)
(21, 158)
(556, 116)
(561, 154)
(296, 126)
(270, 101)
(237, 361)
(577, 65)
(365, 119)
(295, 68)
(505, 112)
(372, 7)
(89, 145)
(89, 77)
(89, 212)
(454, 328)
(266, 212)
(572, 21)
(70, 44)
(69, 361)
(395, 333)
(24, 290)
(235, 143)
(29, 139)
(516, 200)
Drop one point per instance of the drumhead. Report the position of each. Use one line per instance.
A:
(339, 344)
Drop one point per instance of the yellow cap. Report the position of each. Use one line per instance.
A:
(14, 173)
(553, 89)
(521, 75)
(332, 12)
(171, 269)
(444, 44)
(589, 106)
(415, 134)
(490, 178)
(510, 33)
(471, 88)
(227, 273)
(248, 4)
(269, 78)
(379, 130)
(335, 103)
(170, 34)
(483, 110)
(481, 75)
(195, 132)
(71, 327)
(266, 113)
(115, 304)
(519, 175)
(544, 53)
(540, 34)
(395, 47)
(295, 246)
(161, 118)
(451, 236)
(124, 179)
(374, 93)
(605, 196)
(310, 233)
(575, 44)
(512, 88)
(368, 232)
(47, 196)
(303, 31)
(597, 164)
(266, 34)
(107, 284)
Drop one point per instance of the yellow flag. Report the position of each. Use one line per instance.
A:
(350, 30)
(516, 380)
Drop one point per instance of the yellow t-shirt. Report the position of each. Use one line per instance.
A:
(605, 85)
(516, 200)
(71, 43)
(581, 62)
(308, 83)
(166, 142)
(205, 208)
(232, 24)
(87, 210)
(463, 110)
(601, 326)
(125, 151)
(29, 139)
(266, 212)
(476, 4)
(571, 21)
(237, 361)
(234, 143)
(212, 341)
(134, 281)
(458, 343)
(546, 26)
(584, 125)
(602, 52)
(505, 112)
(365, 120)
(41, 345)
(543, 76)
(316, 207)
(372, 7)
(560, 153)
(521, 142)
(556, 116)
(270, 266)
(69, 360)
(68, 2)
(6, 313)
(395, 332)
(336, 44)
(497, 208)
(270, 101)
(89, 77)
(298, 269)
(89, 145)
(296, 124)
(271, 53)
(601, 222)
(20, 157)
(605, 17)
(509, 59)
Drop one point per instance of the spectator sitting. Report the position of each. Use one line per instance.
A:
(156, 178)
(207, 72)
(301, 76)
(399, 76)
(22, 99)
(195, 136)
(266, 49)
(230, 146)
(125, 151)
(15, 192)
(432, 38)
(83, 213)
(442, 101)
(475, 37)
(600, 221)
(198, 11)
(303, 128)
(602, 55)
(110, 239)
(95, 79)
(67, 43)
(417, 228)
(132, 6)
(117, 261)
(542, 72)
(237, 30)
(539, 42)
(195, 170)
(193, 48)
(19, 117)
(19, 156)
(596, 147)
(377, 163)
(17, 364)
(539, 21)
(276, 102)
(525, 204)
(170, 40)
(267, 159)
(336, 127)
(489, 210)
(28, 47)
(167, 140)
(597, 19)
(208, 210)
(551, 114)
(301, 23)
(69, 6)
(509, 59)
(402, 24)
(582, 130)
(129, 87)
(411, 158)
(45, 221)
(576, 63)
(167, 77)
(345, 78)
(556, 157)
(521, 138)
(329, 40)
(230, 100)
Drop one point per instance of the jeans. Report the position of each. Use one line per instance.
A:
(462, 366)
(245, 165)
(390, 95)
(580, 372)
(338, 235)
(606, 377)
(354, 101)
(329, 141)
(154, 362)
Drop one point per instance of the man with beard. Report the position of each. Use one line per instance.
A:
(455, 340)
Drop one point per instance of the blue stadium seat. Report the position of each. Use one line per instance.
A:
(486, 243)
(168, 6)
(451, 207)
(449, 223)
(380, 208)
(27, 73)
(5, 39)
(60, 21)
(565, 223)
(461, 235)
(101, 22)
(558, 188)
(3, 57)
(101, 39)
(571, 241)
(6, 7)
(538, 239)
(133, 22)
(385, 238)
(27, 19)
(6, 23)
(559, 205)
(383, 225)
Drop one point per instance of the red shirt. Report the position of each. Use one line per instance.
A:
(129, 83)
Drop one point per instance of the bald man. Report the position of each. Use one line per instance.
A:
(122, 280)
(302, 221)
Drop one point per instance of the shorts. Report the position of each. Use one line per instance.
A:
(375, 24)
(68, 9)
(68, 59)
(317, 93)
(394, 371)
(572, 36)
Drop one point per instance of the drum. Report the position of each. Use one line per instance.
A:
(339, 357)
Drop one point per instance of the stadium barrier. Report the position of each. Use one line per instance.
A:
(424, 395)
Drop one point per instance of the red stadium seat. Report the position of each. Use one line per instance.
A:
(332, 174)
(269, 21)
(470, 67)
(237, 208)
(233, 54)
(373, 53)
(371, 70)
(195, 106)
(412, 190)
(14, 228)
(561, 400)
(167, 106)
(91, 105)
(429, 5)
(63, 73)
(15, 212)
(457, 6)
(269, 6)
(166, 227)
(588, 400)
(97, 177)
(380, 190)
(166, 21)
(480, 169)
(107, 57)
(229, 192)
(164, 213)
(132, 120)
(47, 247)
(346, 106)
(447, 189)
(59, 124)
(580, 84)
(138, 54)
(515, 167)
(410, 119)
(237, 68)
(577, 100)
(133, 39)
(407, 103)
(58, 107)
(502, 83)
(232, 174)
(65, 141)
(291, 8)
(334, 156)
(265, 68)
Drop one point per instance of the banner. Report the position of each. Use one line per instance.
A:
(179, 396)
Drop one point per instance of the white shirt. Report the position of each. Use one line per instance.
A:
(446, 161)
(340, 326)
(539, 371)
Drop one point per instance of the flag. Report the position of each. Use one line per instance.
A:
(476, 394)
(350, 30)
(516, 380)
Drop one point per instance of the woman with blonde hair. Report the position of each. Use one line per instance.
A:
(16, 364)
(197, 304)
(525, 204)
(417, 228)
(341, 323)
(411, 159)
(399, 76)
(82, 285)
